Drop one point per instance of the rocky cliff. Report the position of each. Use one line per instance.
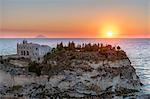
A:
(84, 74)
(85, 78)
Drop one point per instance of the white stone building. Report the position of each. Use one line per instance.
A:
(35, 52)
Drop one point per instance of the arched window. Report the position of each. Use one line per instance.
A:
(27, 52)
(21, 52)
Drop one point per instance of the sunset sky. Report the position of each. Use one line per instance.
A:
(75, 18)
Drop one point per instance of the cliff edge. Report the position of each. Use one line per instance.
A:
(89, 70)
(83, 71)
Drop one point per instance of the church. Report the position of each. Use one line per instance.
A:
(33, 51)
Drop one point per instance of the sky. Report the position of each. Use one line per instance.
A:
(75, 18)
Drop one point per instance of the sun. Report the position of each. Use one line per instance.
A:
(109, 30)
(109, 34)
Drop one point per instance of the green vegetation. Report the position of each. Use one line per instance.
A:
(87, 52)
(16, 87)
(61, 57)
(35, 68)
(85, 47)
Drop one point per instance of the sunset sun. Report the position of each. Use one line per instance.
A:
(109, 34)
(109, 31)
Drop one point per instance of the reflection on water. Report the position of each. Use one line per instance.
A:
(138, 51)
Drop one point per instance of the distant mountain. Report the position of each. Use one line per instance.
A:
(40, 36)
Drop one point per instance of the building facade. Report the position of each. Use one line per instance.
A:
(35, 52)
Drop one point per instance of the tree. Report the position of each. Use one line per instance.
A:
(71, 46)
(78, 47)
(109, 47)
(95, 47)
(53, 50)
(114, 48)
(88, 47)
(118, 48)
(101, 45)
(35, 68)
(60, 46)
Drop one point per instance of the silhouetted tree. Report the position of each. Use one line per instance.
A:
(101, 45)
(95, 47)
(60, 46)
(83, 45)
(53, 50)
(114, 48)
(118, 48)
(71, 46)
(109, 47)
(78, 47)
(88, 47)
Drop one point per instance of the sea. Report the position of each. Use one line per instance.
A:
(137, 49)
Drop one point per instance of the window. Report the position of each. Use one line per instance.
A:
(27, 52)
(38, 59)
(21, 52)
(36, 48)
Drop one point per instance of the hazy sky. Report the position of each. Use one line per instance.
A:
(74, 18)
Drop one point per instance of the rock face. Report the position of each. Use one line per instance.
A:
(95, 78)
(84, 78)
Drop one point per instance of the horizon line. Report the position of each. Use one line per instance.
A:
(74, 38)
